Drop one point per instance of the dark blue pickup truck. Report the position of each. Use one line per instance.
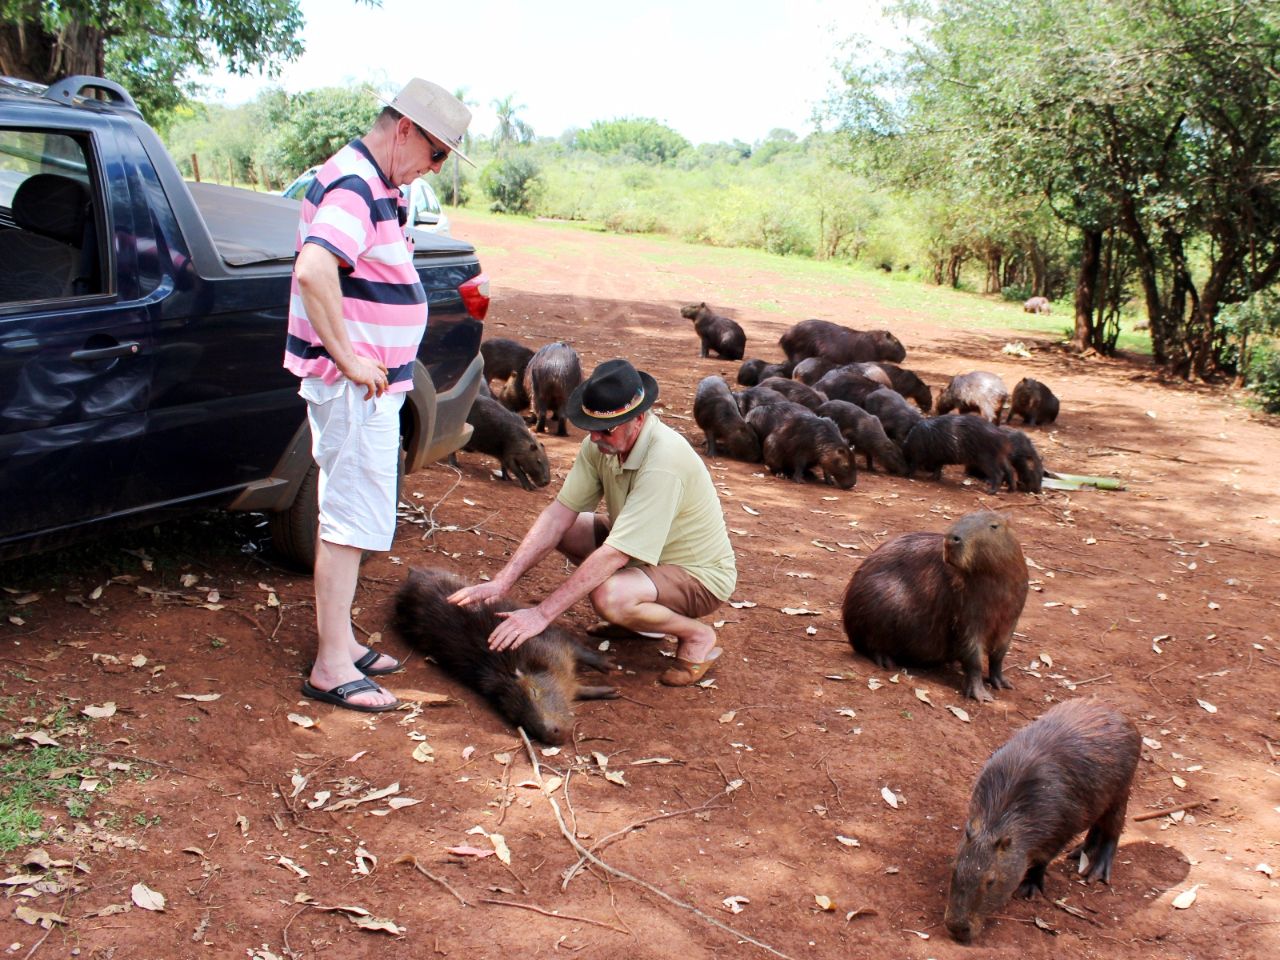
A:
(142, 326)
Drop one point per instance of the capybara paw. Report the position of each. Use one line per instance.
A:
(976, 690)
(998, 681)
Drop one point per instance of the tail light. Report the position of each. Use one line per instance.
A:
(475, 295)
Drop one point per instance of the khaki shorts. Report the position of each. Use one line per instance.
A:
(678, 589)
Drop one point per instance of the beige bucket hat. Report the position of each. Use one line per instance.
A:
(435, 110)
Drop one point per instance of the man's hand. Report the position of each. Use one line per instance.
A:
(480, 593)
(367, 373)
(516, 627)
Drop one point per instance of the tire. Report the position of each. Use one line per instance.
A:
(294, 529)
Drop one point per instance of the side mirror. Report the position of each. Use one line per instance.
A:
(427, 217)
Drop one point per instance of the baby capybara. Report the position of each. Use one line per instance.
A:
(801, 442)
(717, 333)
(1033, 402)
(716, 412)
(843, 383)
(908, 383)
(821, 338)
(960, 438)
(978, 392)
(930, 598)
(1068, 772)
(532, 686)
(551, 375)
(810, 370)
(503, 434)
(749, 372)
(794, 390)
(896, 415)
(864, 433)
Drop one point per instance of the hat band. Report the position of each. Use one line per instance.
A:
(606, 414)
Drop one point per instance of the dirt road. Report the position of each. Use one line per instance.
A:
(770, 784)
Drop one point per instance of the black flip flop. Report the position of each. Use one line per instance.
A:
(365, 665)
(339, 695)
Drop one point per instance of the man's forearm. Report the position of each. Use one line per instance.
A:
(541, 539)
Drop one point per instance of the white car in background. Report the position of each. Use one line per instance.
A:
(425, 212)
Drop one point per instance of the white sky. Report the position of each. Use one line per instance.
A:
(711, 69)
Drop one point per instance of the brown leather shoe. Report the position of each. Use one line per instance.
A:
(686, 673)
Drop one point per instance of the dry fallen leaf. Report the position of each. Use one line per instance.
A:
(960, 713)
(146, 898)
(108, 709)
(39, 738)
(647, 760)
(890, 797)
(288, 864)
(734, 904)
(848, 841)
(35, 918)
(1207, 705)
(375, 923)
(800, 612)
(1265, 868)
(301, 720)
(1179, 782)
(728, 717)
(500, 847)
(243, 823)
(923, 696)
(424, 753)
(754, 513)
(551, 785)
(466, 851)
(616, 776)
(199, 697)
(1186, 898)
(824, 903)
(399, 803)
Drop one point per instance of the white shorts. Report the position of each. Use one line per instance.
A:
(356, 444)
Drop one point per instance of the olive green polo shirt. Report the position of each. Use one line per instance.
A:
(661, 502)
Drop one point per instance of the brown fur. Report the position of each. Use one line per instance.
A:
(929, 598)
(795, 391)
(503, 434)
(810, 370)
(978, 392)
(1033, 402)
(765, 418)
(801, 442)
(909, 384)
(1037, 305)
(551, 375)
(715, 411)
(749, 372)
(865, 434)
(532, 686)
(505, 360)
(896, 415)
(717, 333)
(964, 439)
(1068, 772)
(846, 384)
(821, 338)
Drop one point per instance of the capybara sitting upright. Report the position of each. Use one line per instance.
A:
(961, 438)
(821, 338)
(551, 375)
(503, 434)
(716, 412)
(801, 442)
(929, 598)
(532, 686)
(1033, 402)
(717, 333)
(978, 392)
(1068, 772)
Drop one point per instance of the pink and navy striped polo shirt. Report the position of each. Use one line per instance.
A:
(355, 213)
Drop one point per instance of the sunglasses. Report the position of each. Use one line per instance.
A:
(438, 154)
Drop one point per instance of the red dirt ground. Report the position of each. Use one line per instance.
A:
(1161, 599)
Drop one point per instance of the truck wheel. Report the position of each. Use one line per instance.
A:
(293, 529)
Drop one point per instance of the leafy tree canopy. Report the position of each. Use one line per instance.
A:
(639, 138)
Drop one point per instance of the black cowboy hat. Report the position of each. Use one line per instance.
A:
(614, 393)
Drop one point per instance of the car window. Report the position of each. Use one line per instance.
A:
(50, 219)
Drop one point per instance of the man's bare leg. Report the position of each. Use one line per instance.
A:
(629, 598)
(337, 570)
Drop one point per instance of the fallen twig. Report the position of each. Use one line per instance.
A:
(410, 859)
(622, 874)
(1155, 814)
(558, 916)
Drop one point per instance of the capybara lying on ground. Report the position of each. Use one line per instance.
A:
(1033, 402)
(978, 392)
(821, 338)
(929, 598)
(865, 434)
(801, 442)
(960, 438)
(1068, 772)
(532, 686)
(551, 375)
(501, 433)
(716, 412)
(717, 333)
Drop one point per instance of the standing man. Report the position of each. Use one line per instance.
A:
(662, 557)
(357, 314)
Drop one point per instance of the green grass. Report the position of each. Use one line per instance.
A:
(26, 789)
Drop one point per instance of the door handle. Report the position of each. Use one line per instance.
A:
(126, 349)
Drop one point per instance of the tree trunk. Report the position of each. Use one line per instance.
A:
(1086, 288)
(29, 53)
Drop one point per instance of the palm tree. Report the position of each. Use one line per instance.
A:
(461, 94)
(510, 128)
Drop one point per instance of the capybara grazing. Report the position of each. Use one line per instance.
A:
(909, 384)
(716, 412)
(821, 338)
(964, 439)
(794, 390)
(1037, 305)
(929, 598)
(1033, 402)
(1068, 772)
(551, 375)
(757, 396)
(766, 417)
(749, 372)
(532, 686)
(505, 360)
(801, 442)
(1025, 460)
(717, 333)
(782, 369)
(811, 369)
(501, 433)
(843, 383)
(865, 434)
(896, 415)
(978, 392)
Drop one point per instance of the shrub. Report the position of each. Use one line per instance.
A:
(512, 183)
(1264, 378)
